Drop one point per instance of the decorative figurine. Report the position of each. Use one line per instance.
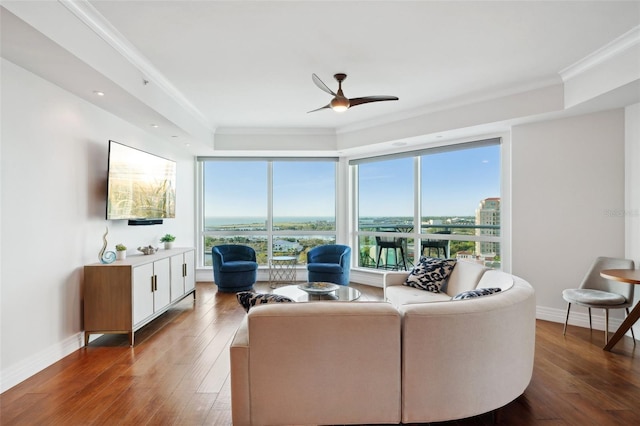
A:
(109, 256)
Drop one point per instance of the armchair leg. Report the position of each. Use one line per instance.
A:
(564, 330)
(606, 326)
(590, 326)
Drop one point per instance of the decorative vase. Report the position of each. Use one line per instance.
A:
(121, 255)
(104, 256)
(168, 245)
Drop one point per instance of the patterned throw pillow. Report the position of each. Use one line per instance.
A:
(476, 293)
(430, 274)
(249, 299)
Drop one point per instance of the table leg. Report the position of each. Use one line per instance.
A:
(624, 327)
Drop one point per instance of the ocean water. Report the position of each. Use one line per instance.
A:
(246, 220)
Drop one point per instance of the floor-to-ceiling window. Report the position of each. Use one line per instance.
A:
(439, 202)
(280, 207)
(385, 207)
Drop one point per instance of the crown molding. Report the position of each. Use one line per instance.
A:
(613, 48)
(84, 11)
(275, 131)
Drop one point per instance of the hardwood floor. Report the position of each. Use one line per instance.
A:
(178, 374)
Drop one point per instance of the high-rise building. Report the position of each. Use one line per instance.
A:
(488, 213)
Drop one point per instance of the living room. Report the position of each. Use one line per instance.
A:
(571, 149)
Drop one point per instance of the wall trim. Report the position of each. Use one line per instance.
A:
(613, 48)
(580, 318)
(26, 368)
(85, 12)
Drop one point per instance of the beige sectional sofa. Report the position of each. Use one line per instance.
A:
(461, 358)
(405, 360)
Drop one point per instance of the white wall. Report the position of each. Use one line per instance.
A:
(632, 183)
(53, 183)
(632, 190)
(567, 187)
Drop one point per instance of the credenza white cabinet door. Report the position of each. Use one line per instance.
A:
(162, 293)
(142, 292)
(177, 280)
(190, 273)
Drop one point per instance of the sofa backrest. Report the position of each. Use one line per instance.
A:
(464, 277)
(494, 278)
(295, 347)
(330, 253)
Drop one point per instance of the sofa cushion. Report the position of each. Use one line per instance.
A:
(430, 274)
(465, 276)
(476, 293)
(399, 295)
(248, 299)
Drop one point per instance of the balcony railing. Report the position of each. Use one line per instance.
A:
(433, 237)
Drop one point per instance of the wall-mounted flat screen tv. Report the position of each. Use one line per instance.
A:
(141, 186)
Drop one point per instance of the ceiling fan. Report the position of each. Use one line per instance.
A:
(340, 102)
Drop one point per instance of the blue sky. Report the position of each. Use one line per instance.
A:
(240, 188)
(453, 183)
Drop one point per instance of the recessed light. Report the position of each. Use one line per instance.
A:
(155, 126)
(98, 93)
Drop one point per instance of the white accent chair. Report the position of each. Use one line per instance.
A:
(598, 292)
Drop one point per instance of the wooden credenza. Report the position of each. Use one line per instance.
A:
(123, 296)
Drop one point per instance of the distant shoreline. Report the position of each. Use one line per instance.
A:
(255, 220)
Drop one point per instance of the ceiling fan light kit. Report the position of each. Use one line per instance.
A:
(340, 102)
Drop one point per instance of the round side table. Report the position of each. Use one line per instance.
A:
(282, 269)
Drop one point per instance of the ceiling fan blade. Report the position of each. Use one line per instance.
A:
(318, 109)
(367, 99)
(321, 85)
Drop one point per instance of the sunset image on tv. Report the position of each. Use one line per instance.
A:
(140, 185)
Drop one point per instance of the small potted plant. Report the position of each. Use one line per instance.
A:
(168, 240)
(121, 251)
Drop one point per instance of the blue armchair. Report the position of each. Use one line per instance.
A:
(234, 267)
(329, 263)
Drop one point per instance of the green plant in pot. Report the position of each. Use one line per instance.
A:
(121, 251)
(168, 240)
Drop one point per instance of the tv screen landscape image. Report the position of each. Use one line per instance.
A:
(141, 186)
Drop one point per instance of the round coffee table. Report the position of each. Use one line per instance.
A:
(342, 294)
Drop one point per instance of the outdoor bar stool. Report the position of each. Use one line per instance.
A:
(437, 245)
(395, 244)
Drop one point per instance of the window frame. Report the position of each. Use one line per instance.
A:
(270, 234)
(417, 235)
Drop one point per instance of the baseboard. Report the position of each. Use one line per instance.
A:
(579, 317)
(14, 374)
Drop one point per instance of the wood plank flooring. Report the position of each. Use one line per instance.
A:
(178, 374)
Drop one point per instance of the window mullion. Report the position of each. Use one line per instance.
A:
(269, 209)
